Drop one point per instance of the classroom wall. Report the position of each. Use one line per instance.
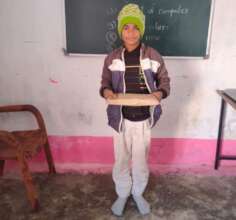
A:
(34, 70)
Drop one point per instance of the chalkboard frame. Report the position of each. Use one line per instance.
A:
(207, 55)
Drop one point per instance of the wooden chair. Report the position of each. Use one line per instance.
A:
(24, 144)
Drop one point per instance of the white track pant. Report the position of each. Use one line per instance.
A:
(131, 144)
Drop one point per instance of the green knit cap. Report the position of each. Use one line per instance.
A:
(131, 14)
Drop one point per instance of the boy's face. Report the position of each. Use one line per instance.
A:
(131, 35)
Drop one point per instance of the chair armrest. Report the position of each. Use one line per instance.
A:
(28, 108)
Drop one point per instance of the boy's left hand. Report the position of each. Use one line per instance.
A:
(158, 95)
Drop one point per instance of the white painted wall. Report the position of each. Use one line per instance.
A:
(34, 70)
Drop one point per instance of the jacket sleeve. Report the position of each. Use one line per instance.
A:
(106, 82)
(162, 79)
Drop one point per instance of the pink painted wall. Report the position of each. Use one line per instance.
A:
(76, 153)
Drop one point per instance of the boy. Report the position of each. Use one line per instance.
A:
(132, 68)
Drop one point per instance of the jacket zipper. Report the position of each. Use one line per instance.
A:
(151, 109)
(124, 89)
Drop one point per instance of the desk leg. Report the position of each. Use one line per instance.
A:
(220, 134)
(2, 162)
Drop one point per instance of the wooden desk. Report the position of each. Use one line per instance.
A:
(228, 96)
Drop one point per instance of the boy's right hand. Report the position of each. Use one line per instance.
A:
(109, 94)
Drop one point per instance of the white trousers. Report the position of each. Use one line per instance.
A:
(132, 144)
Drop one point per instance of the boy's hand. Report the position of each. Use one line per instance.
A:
(158, 95)
(109, 94)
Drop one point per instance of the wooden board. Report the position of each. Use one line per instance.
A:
(134, 100)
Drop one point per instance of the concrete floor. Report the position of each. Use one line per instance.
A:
(84, 197)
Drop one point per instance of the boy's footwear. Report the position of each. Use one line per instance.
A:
(118, 206)
(142, 204)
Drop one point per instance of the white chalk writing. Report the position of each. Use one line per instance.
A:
(158, 27)
(111, 25)
(174, 11)
(111, 37)
(150, 11)
(152, 38)
(112, 11)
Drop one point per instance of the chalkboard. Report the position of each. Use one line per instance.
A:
(178, 28)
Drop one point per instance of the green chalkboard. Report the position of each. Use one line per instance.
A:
(173, 27)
